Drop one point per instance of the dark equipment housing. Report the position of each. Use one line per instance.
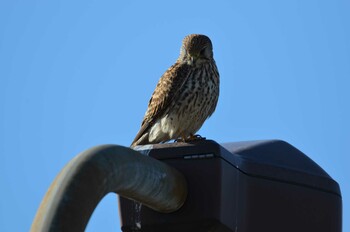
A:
(243, 187)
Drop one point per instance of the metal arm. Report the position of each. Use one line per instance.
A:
(76, 191)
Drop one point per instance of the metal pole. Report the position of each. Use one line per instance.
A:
(79, 187)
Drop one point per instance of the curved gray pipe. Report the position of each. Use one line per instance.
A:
(85, 180)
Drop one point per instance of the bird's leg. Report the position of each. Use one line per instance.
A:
(194, 138)
(182, 139)
(190, 138)
(179, 140)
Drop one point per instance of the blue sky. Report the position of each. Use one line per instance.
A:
(75, 74)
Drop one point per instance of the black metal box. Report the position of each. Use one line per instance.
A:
(243, 187)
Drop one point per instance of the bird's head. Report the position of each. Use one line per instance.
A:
(196, 48)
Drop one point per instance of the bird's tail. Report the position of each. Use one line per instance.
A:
(140, 140)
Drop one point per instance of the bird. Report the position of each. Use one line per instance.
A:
(185, 95)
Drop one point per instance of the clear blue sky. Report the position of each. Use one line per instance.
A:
(74, 74)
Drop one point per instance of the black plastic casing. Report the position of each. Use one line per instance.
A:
(243, 187)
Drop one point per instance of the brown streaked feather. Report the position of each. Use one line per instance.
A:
(168, 88)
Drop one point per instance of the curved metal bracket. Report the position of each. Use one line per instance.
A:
(85, 180)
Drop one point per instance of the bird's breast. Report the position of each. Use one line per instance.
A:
(197, 97)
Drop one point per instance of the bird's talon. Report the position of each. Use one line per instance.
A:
(199, 137)
(179, 140)
(192, 138)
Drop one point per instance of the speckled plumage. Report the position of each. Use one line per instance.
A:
(185, 96)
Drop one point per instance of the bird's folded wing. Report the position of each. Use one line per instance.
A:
(167, 90)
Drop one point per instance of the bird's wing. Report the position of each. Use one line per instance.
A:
(167, 90)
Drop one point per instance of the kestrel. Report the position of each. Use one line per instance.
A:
(185, 96)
